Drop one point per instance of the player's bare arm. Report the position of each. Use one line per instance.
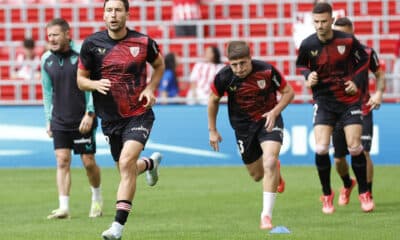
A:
(86, 123)
(376, 99)
(312, 79)
(287, 96)
(214, 136)
(85, 84)
(148, 92)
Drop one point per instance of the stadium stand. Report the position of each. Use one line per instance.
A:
(266, 24)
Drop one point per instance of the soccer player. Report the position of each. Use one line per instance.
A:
(332, 63)
(71, 121)
(368, 104)
(112, 65)
(255, 116)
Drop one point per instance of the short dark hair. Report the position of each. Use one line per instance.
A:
(238, 49)
(217, 55)
(322, 7)
(170, 61)
(125, 2)
(59, 22)
(343, 22)
(29, 43)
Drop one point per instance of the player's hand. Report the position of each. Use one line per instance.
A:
(48, 131)
(103, 86)
(86, 124)
(375, 101)
(215, 138)
(270, 120)
(150, 98)
(351, 88)
(312, 79)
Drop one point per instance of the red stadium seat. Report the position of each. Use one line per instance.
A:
(281, 48)
(394, 26)
(5, 72)
(387, 45)
(2, 34)
(270, 10)
(7, 92)
(166, 13)
(392, 7)
(375, 8)
(2, 15)
(236, 11)
(258, 29)
(363, 27)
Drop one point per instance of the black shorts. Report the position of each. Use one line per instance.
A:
(339, 139)
(80, 143)
(248, 141)
(135, 128)
(351, 114)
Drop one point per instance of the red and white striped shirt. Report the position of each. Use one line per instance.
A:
(186, 10)
(203, 74)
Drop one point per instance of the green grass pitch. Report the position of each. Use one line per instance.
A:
(196, 203)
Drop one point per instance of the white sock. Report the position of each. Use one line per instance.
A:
(268, 204)
(63, 202)
(96, 194)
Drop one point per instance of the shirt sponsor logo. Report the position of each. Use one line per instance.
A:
(141, 129)
(356, 112)
(341, 49)
(101, 51)
(83, 140)
(232, 88)
(134, 51)
(314, 53)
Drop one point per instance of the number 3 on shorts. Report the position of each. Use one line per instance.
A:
(240, 146)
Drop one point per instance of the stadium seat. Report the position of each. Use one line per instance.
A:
(281, 48)
(393, 7)
(2, 34)
(7, 92)
(363, 27)
(387, 45)
(394, 26)
(2, 15)
(375, 8)
(304, 6)
(236, 11)
(5, 72)
(270, 10)
(258, 29)
(166, 13)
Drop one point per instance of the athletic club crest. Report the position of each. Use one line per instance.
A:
(261, 83)
(134, 51)
(341, 49)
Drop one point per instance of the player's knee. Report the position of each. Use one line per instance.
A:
(340, 160)
(321, 149)
(88, 161)
(256, 175)
(62, 161)
(270, 163)
(355, 151)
